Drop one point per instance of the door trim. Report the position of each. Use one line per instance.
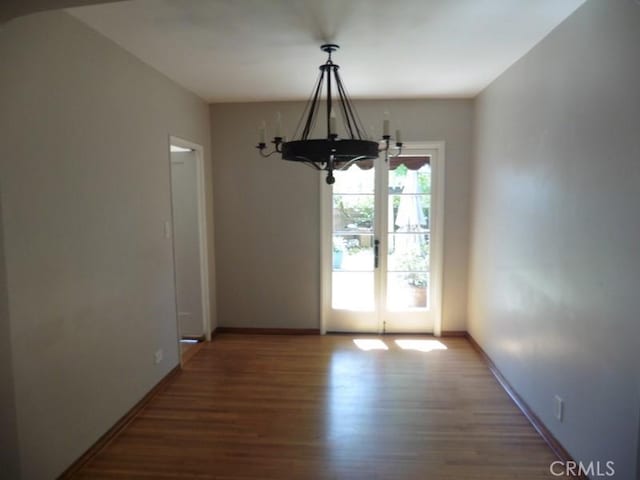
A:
(436, 268)
(202, 234)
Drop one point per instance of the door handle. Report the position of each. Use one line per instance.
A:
(376, 248)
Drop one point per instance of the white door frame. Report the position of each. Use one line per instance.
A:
(202, 234)
(437, 240)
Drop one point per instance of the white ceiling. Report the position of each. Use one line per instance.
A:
(259, 50)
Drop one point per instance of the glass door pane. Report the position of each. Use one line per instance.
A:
(353, 211)
(408, 234)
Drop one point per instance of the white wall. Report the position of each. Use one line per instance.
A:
(555, 233)
(268, 219)
(186, 242)
(85, 186)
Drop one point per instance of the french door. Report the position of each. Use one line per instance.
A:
(381, 244)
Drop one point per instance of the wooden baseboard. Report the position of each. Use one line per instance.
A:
(314, 331)
(120, 425)
(454, 333)
(446, 333)
(269, 331)
(557, 448)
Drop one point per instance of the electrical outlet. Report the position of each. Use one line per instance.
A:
(558, 407)
(158, 356)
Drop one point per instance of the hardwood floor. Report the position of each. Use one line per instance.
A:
(312, 407)
(188, 350)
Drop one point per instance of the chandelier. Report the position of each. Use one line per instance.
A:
(334, 152)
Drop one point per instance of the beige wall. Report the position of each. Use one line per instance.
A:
(555, 233)
(267, 211)
(85, 186)
(9, 461)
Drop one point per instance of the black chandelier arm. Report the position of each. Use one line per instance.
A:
(328, 67)
(262, 152)
(305, 111)
(346, 108)
(277, 147)
(350, 116)
(313, 106)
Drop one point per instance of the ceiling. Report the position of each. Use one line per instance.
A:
(10, 9)
(263, 50)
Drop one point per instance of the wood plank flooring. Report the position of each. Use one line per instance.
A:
(317, 407)
(188, 350)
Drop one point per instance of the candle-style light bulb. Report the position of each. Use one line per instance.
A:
(398, 138)
(278, 124)
(332, 123)
(385, 124)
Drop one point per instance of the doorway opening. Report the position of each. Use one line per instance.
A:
(382, 235)
(189, 234)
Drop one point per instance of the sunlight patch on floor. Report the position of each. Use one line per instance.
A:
(367, 344)
(420, 345)
(416, 344)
